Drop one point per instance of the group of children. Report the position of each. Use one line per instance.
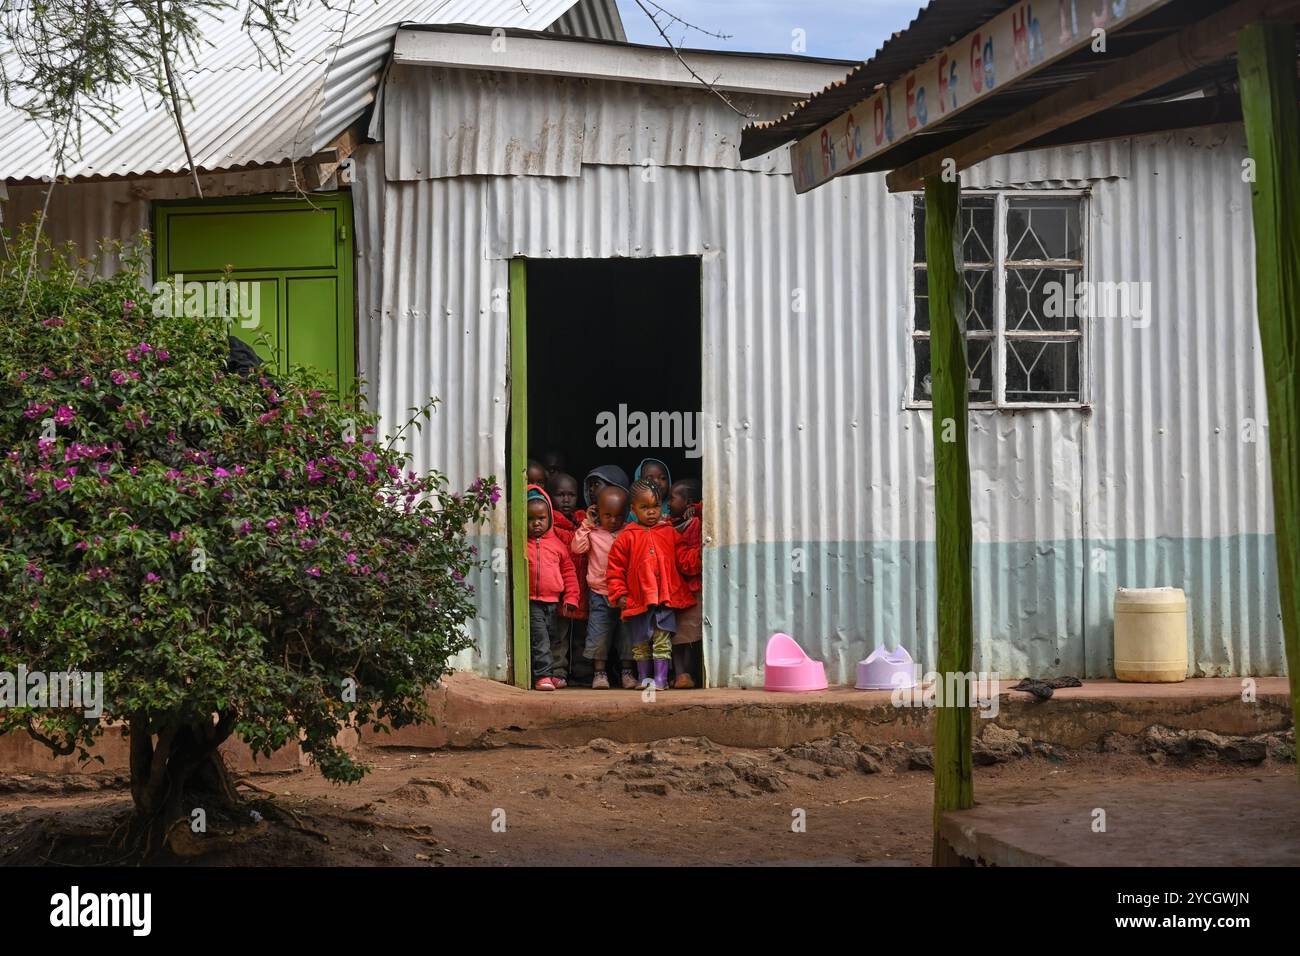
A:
(621, 578)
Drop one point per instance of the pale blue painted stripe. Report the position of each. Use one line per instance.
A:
(1042, 609)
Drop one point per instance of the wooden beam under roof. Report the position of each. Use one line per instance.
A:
(1204, 42)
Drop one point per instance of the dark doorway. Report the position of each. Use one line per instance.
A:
(609, 332)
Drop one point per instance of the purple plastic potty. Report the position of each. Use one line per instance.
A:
(885, 670)
(788, 669)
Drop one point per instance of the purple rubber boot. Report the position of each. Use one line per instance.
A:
(643, 674)
(661, 675)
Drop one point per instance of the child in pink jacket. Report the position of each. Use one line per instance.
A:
(551, 580)
(594, 537)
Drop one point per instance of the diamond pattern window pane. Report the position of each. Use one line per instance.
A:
(921, 298)
(1042, 300)
(918, 229)
(979, 362)
(1042, 371)
(979, 300)
(1044, 229)
(921, 373)
(979, 226)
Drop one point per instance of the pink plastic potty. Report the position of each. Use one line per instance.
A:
(789, 669)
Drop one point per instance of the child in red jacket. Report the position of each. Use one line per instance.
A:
(571, 627)
(551, 580)
(684, 511)
(644, 581)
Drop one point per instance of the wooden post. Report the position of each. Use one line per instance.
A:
(948, 373)
(1266, 58)
(522, 652)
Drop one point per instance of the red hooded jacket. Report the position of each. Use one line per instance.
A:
(564, 529)
(551, 575)
(689, 561)
(647, 564)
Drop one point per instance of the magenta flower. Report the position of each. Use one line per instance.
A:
(151, 578)
(314, 571)
(118, 377)
(86, 381)
(272, 526)
(52, 322)
(64, 415)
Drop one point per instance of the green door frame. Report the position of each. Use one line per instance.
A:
(517, 468)
(340, 203)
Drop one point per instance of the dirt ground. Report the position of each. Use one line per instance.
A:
(673, 802)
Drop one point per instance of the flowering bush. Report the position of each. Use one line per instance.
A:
(236, 554)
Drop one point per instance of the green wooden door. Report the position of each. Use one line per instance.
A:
(295, 255)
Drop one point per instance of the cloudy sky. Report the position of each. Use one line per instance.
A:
(845, 29)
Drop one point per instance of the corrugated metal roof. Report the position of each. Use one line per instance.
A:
(592, 18)
(242, 113)
(938, 23)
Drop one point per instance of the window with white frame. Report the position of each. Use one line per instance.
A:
(1023, 257)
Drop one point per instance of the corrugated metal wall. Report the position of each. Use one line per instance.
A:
(447, 122)
(817, 477)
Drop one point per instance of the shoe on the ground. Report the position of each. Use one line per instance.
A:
(628, 680)
(683, 682)
(600, 681)
(559, 682)
(544, 683)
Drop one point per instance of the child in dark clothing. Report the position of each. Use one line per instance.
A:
(599, 477)
(683, 510)
(536, 473)
(553, 463)
(644, 581)
(563, 489)
(551, 581)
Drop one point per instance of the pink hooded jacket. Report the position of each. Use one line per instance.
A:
(551, 577)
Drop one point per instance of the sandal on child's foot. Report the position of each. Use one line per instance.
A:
(559, 682)
(683, 682)
(600, 681)
(544, 683)
(628, 680)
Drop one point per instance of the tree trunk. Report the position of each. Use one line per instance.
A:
(172, 775)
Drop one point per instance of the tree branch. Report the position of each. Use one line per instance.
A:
(677, 53)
